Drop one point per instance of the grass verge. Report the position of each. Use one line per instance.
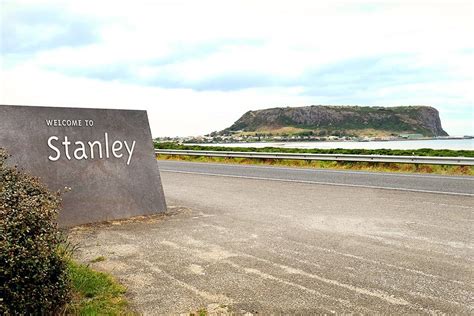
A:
(396, 152)
(362, 166)
(95, 293)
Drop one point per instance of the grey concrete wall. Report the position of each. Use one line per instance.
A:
(101, 188)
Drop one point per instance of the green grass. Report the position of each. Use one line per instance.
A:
(397, 152)
(363, 166)
(98, 259)
(95, 293)
(366, 166)
(201, 312)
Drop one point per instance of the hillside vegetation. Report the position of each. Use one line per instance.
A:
(354, 121)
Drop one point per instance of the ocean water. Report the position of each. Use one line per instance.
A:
(455, 144)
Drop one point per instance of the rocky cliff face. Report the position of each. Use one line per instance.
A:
(346, 119)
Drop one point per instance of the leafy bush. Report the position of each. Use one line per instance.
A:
(33, 272)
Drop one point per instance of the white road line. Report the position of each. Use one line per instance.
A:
(316, 182)
(373, 173)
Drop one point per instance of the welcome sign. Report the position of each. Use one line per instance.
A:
(105, 156)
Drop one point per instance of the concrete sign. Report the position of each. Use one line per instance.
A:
(106, 157)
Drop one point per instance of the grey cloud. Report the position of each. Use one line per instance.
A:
(183, 51)
(227, 82)
(345, 78)
(366, 74)
(31, 29)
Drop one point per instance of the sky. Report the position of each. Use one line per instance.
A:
(197, 66)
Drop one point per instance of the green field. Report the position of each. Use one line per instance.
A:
(366, 166)
(395, 152)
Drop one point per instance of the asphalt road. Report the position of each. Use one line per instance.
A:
(273, 240)
(459, 185)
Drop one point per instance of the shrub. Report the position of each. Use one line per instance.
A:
(33, 274)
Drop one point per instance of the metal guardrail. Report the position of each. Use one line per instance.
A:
(460, 161)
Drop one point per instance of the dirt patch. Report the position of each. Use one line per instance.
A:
(143, 219)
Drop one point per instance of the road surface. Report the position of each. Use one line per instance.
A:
(456, 185)
(281, 240)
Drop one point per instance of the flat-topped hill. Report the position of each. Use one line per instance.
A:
(342, 120)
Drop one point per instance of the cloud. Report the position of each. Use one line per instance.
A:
(344, 77)
(369, 75)
(27, 30)
(168, 70)
(214, 60)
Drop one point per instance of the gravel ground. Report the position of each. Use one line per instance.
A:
(247, 246)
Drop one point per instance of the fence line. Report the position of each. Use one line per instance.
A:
(460, 161)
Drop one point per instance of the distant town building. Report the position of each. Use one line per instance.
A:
(411, 136)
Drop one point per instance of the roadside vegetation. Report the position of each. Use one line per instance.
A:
(363, 166)
(34, 278)
(395, 152)
(38, 275)
(95, 293)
